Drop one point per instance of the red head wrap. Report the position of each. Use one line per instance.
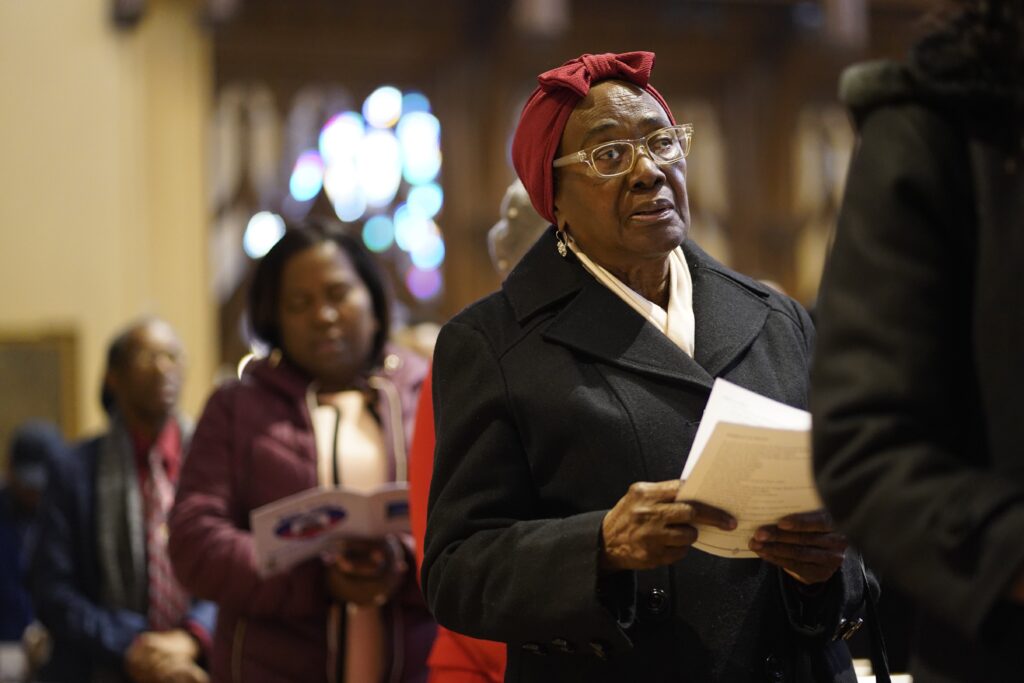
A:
(543, 119)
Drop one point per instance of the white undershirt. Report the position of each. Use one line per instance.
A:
(677, 322)
(349, 441)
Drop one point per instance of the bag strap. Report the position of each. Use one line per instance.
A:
(879, 657)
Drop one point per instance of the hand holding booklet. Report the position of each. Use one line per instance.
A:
(298, 527)
(751, 457)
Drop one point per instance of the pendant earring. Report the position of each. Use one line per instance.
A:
(563, 249)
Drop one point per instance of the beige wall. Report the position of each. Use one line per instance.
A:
(102, 216)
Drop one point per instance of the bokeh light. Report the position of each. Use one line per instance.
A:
(423, 284)
(307, 176)
(426, 200)
(262, 233)
(428, 251)
(420, 136)
(378, 233)
(414, 101)
(383, 107)
(379, 167)
(410, 228)
(340, 136)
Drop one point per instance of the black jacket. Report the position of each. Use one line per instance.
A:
(918, 416)
(551, 397)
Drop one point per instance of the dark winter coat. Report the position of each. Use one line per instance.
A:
(918, 420)
(551, 398)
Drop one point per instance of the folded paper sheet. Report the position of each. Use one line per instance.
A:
(752, 458)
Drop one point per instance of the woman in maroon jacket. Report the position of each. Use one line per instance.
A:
(333, 404)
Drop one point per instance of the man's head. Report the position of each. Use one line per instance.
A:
(145, 371)
(33, 447)
(510, 238)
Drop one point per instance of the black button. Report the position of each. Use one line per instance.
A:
(599, 649)
(534, 648)
(563, 645)
(657, 600)
(773, 667)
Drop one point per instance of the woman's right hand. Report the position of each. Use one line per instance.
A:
(366, 572)
(649, 528)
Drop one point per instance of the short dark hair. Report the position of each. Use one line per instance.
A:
(265, 292)
(118, 352)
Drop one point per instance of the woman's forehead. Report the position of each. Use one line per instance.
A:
(612, 105)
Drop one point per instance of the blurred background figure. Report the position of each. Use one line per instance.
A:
(332, 405)
(101, 581)
(456, 658)
(918, 367)
(515, 232)
(34, 446)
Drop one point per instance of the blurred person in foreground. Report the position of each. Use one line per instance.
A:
(34, 446)
(101, 580)
(332, 405)
(456, 658)
(918, 416)
(565, 405)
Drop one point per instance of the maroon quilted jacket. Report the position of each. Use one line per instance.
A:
(253, 445)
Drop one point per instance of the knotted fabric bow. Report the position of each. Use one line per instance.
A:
(543, 119)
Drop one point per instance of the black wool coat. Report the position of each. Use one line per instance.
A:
(918, 414)
(551, 397)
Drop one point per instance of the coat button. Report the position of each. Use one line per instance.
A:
(599, 649)
(773, 667)
(534, 648)
(562, 645)
(657, 600)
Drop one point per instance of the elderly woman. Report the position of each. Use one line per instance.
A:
(565, 406)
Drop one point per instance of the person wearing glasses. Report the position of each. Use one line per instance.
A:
(565, 405)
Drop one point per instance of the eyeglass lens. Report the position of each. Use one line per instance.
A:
(665, 146)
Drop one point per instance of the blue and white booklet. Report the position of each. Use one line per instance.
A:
(298, 527)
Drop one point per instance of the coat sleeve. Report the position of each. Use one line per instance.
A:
(57, 579)
(893, 392)
(492, 569)
(212, 556)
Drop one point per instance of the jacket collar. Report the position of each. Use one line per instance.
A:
(729, 312)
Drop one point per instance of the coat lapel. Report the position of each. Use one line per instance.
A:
(729, 312)
(599, 324)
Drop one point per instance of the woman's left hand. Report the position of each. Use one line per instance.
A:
(804, 544)
(366, 572)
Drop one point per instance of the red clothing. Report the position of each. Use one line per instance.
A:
(168, 445)
(455, 658)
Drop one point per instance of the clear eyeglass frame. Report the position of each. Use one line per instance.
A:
(684, 133)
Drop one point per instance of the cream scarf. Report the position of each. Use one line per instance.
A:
(677, 322)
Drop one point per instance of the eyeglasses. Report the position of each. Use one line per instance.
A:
(610, 159)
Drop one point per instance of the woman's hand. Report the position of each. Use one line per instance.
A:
(366, 572)
(649, 528)
(804, 544)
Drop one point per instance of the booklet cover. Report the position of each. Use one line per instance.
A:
(298, 527)
(751, 457)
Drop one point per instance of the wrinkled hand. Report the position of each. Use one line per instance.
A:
(164, 657)
(804, 544)
(366, 572)
(649, 528)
